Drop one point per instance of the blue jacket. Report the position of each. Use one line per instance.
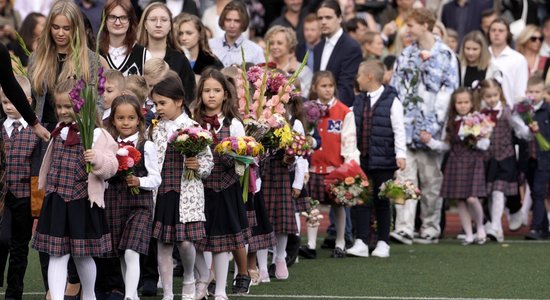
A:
(381, 152)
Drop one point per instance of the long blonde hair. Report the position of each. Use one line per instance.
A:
(44, 69)
(525, 35)
(143, 36)
(484, 56)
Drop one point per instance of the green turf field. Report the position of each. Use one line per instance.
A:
(513, 270)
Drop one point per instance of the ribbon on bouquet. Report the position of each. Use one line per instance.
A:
(247, 182)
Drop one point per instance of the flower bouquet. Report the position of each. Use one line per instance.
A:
(348, 185)
(128, 157)
(243, 150)
(314, 111)
(399, 191)
(475, 126)
(298, 147)
(526, 111)
(190, 142)
(313, 215)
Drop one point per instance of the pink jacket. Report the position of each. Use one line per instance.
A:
(105, 166)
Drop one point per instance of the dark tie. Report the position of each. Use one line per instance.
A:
(72, 135)
(15, 132)
(214, 125)
(310, 59)
(492, 113)
(128, 143)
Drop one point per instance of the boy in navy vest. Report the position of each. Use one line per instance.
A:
(381, 140)
(21, 146)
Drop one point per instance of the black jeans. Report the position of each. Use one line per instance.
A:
(21, 232)
(381, 206)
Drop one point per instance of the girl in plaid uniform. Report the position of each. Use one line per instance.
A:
(179, 211)
(500, 162)
(130, 216)
(69, 226)
(226, 221)
(337, 129)
(464, 173)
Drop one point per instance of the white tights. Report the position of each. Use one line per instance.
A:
(57, 276)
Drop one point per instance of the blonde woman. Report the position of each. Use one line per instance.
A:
(282, 44)
(373, 47)
(475, 60)
(61, 53)
(528, 43)
(155, 33)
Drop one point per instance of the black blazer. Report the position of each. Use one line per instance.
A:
(189, 6)
(204, 61)
(343, 63)
(180, 64)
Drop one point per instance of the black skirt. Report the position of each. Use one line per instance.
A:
(72, 228)
(502, 175)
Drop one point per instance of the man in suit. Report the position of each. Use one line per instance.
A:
(337, 52)
(312, 37)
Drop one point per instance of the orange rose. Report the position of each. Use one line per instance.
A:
(349, 180)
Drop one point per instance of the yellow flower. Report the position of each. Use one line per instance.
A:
(154, 122)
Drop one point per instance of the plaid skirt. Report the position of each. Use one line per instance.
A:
(263, 236)
(72, 228)
(130, 219)
(277, 193)
(463, 177)
(316, 188)
(502, 176)
(226, 220)
(167, 227)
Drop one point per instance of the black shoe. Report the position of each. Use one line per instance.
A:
(305, 252)
(329, 242)
(338, 253)
(149, 289)
(241, 284)
(178, 271)
(536, 235)
(292, 249)
(212, 287)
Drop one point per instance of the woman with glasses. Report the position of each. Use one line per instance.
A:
(118, 38)
(528, 43)
(155, 33)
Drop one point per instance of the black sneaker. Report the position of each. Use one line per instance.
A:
(305, 252)
(329, 242)
(292, 249)
(536, 235)
(241, 284)
(338, 253)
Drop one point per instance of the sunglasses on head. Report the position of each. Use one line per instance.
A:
(536, 38)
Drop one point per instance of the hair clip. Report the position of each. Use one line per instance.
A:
(475, 85)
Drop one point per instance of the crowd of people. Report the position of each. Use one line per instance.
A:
(398, 82)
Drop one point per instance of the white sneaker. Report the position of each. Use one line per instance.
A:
(359, 249)
(494, 235)
(515, 221)
(382, 249)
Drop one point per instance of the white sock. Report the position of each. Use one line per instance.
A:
(187, 255)
(85, 266)
(497, 209)
(476, 212)
(298, 222)
(201, 267)
(526, 206)
(166, 268)
(465, 220)
(221, 268)
(282, 240)
(57, 276)
(131, 275)
(312, 237)
(340, 224)
(261, 256)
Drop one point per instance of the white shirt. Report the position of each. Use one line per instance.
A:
(8, 125)
(106, 113)
(515, 73)
(175, 6)
(301, 163)
(153, 179)
(330, 43)
(397, 123)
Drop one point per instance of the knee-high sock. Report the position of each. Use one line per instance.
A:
(221, 267)
(131, 276)
(262, 259)
(208, 259)
(85, 266)
(476, 211)
(497, 209)
(312, 236)
(201, 267)
(187, 255)
(57, 276)
(340, 222)
(465, 220)
(282, 240)
(166, 268)
(298, 222)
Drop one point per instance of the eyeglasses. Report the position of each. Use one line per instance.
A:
(536, 38)
(156, 20)
(122, 19)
